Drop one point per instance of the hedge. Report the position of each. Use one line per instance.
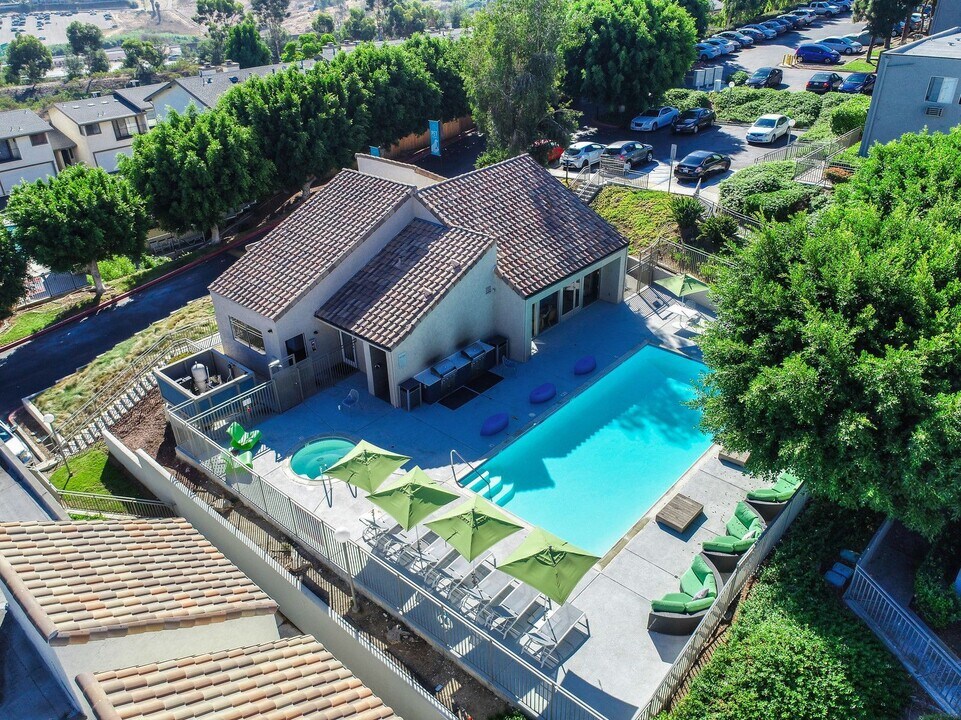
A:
(934, 596)
(686, 99)
(794, 650)
(745, 105)
(763, 178)
(850, 114)
(780, 204)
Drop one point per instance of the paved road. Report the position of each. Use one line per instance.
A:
(40, 363)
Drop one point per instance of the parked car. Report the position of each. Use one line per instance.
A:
(778, 28)
(14, 444)
(824, 8)
(814, 53)
(726, 46)
(753, 33)
(552, 150)
(701, 163)
(654, 118)
(863, 37)
(693, 120)
(734, 36)
(766, 77)
(842, 44)
(582, 154)
(630, 152)
(794, 20)
(823, 82)
(768, 128)
(769, 33)
(806, 16)
(916, 21)
(734, 45)
(859, 83)
(706, 51)
(788, 25)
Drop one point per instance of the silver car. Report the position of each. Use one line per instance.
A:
(582, 154)
(14, 444)
(630, 152)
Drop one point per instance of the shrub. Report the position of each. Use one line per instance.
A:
(739, 78)
(766, 177)
(780, 204)
(850, 114)
(492, 156)
(934, 596)
(743, 104)
(686, 99)
(687, 212)
(719, 231)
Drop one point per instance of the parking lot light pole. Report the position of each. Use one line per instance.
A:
(49, 418)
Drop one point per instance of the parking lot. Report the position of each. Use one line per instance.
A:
(52, 31)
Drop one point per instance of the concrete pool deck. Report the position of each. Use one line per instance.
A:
(618, 665)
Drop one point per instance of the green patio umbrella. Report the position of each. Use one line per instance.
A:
(549, 564)
(682, 285)
(366, 466)
(412, 498)
(474, 526)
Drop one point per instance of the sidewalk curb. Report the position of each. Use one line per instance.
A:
(237, 242)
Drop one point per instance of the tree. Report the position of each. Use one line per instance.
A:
(457, 14)
(26, 55)
(736, 11)
(74, 65)
(218, 17)
(305, 47)
(837, 351)
(444, 60)
(244, 45)
(406, 17)
(97, 61)
(77, 218)
(194, 168)
(322, 23)
(143, 57)
(271, 14)
(700, 12)
(13, 272)
(616, 56)
(881, 16)
(358, 26)
(513, 72)
(84, 37)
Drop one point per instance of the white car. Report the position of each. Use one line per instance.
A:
(654, 118)
(14, 444)
(823, 8)
(706, 51)
(727, 47)
(843, 45)
(582, 154)
(768, 128)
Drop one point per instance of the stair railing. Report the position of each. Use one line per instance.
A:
(474, 471)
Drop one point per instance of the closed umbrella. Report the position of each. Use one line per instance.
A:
(366, 466)
(412, 498)
(474, 526)
(549, 564)
(682, 285)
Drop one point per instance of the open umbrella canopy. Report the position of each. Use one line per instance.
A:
(549, 564)
(366, 466)
(412, 498)
(682, 285)
(474, 526)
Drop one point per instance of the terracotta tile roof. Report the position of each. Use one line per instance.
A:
(304, 248)
(544, 232)
(294, 678)
(80, 581)
(390, 295)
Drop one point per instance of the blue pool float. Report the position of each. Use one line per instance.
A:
(543, 393)
(494, 424)
(585, 365)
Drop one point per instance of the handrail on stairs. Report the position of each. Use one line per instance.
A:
(473, 469)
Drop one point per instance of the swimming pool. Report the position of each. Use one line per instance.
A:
(310, 461)
(597, 464)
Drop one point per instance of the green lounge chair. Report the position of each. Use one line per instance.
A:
(743, 529)
(235, 462)
(242, 440)
(679, 613)
(769, 502)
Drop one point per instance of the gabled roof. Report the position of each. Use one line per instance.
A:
(96, 109)
(544, 232)
(390, 295)
(15, 123)
(207, 89)
(136, 97)
(291, 678)
(81, 581)
(304, 248)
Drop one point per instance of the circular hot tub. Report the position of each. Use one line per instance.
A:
(312, 459)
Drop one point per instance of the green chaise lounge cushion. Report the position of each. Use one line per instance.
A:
(743, 529)
(695, 579)
(698, 576)
(703, 604)
(240, 439)
(782, 491)
(672, 602)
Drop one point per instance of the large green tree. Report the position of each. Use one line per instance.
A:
(194, 168)
(143, 57)
(322, 23)
(444, 60)
(837, 351)
(738, 11)
(406, 17)
(77, 218)
(13, 272)
(84, 37)
(513, 73)
(26, 55)
(358, 26)
(700, 11)
(880, 17)
(244, 45)
(271, 15)
(218, 16)
(617, 53)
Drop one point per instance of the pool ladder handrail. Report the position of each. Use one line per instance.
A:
(473, 470)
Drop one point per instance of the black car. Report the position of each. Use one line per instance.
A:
(700, 164)
(766, 77)
(859, 83)
(693, 120)
(823, 82)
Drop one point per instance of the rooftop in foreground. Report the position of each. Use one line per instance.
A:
(945, 45)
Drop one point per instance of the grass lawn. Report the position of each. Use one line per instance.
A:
(859, 66)
(93, 471)
(74, 390)
(30, 321)
(642, 216)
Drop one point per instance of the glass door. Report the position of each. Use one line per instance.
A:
(572, 297)
(592, 287)
(348, 349)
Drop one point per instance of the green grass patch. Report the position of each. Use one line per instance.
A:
(642, 216)
(94, 471)
(27, 322)
(74, 390)
(858, 66)
(794, 650)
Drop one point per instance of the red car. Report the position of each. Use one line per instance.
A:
(552, 152)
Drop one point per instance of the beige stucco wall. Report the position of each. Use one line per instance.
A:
(95, 150)
(396, 171)
(36, 161)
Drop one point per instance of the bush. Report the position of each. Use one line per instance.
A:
(779, 204)
(850, 114)
(686, 99)
(934, 596)
(739, 78)
(743, 104)
(719, 231)
(687, 211)
(642, 216)
(838, 175)
(763, 178)
(492, 156)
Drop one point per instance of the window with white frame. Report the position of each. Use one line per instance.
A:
(247, 335)
(941, 90)
(124, 128)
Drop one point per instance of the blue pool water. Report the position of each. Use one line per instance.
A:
(597, 464)
(316, 456)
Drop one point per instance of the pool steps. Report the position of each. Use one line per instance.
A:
(497, 490)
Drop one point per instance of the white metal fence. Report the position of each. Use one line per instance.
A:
(113, 504)
(51, 285)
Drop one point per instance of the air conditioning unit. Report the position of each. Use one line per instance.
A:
(933, 110)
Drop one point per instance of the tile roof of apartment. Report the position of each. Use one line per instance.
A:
(207, 89)
(14, 123)
(544, 232)
(945, 45)
(308, 245)
(96, 109)
(390, 295)
(80, 581)
(137, 96)
(290, 678)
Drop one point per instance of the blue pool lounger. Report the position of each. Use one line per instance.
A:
(543, 393)
(494, 424)
(585, 365)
